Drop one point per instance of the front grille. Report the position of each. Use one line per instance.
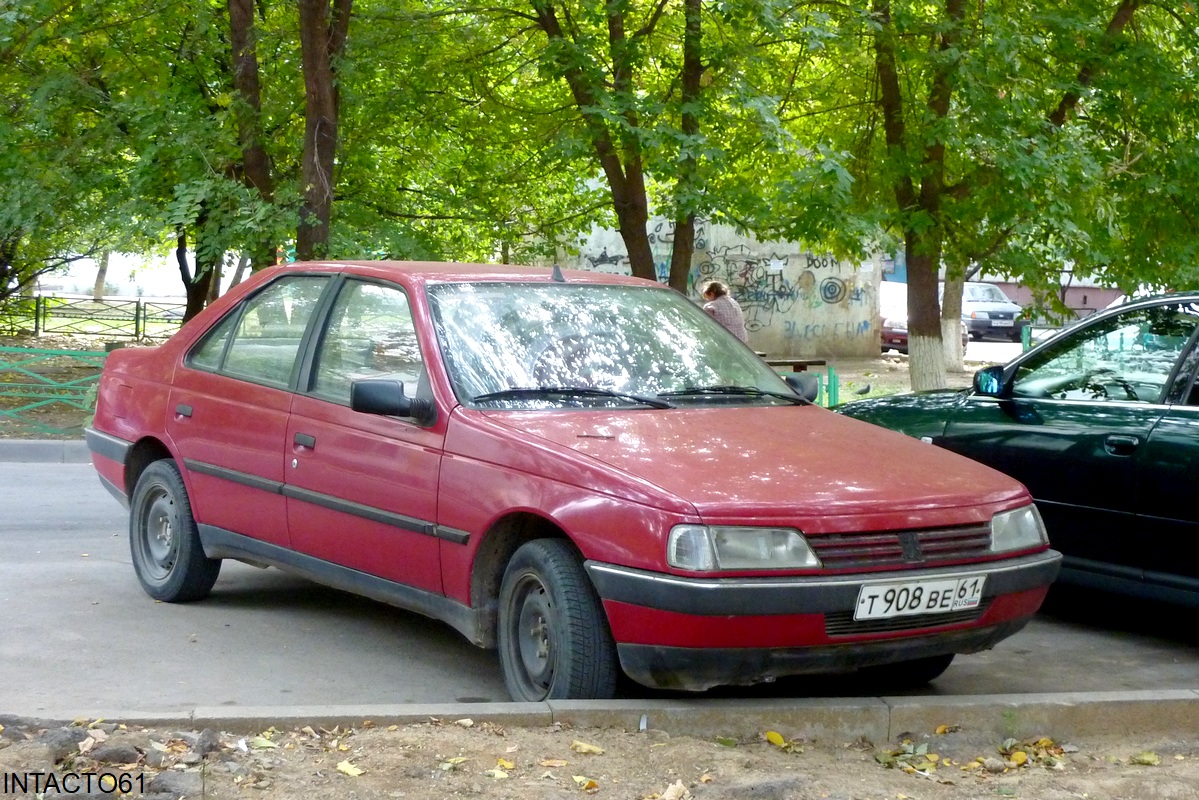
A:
(842, 623)
(902, 548)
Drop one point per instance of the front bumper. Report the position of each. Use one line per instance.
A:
(696, 633)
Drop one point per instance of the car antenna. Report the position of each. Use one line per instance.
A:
(557, 276)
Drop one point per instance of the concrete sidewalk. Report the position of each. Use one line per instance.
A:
(45, 451)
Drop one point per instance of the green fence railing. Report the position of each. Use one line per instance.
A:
(111, 317)
(47, 391)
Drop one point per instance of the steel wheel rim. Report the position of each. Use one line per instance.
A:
(532, 632)
(158, 538)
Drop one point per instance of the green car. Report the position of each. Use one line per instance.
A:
(1101, 423)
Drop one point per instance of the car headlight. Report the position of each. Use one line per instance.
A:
(703, 548)
(1020, 529)
(980, 315)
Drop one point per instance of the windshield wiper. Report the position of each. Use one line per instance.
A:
(745, 391)
(568, 391)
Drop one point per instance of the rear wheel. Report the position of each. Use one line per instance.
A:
(167, 555)
(908, 674)
(554, 640)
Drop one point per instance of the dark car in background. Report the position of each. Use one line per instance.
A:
(987, 311)
(1101, 423)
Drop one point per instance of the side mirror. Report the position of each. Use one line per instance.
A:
(387, 398)
(989, 382)
(804, 385)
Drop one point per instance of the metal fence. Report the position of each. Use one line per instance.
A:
(47, 391)
(131, 318)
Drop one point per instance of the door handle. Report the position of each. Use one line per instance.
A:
(304, 440)
(1121, 445)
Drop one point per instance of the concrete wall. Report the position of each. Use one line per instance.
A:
(796, 303)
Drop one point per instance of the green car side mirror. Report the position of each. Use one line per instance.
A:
(989, 381)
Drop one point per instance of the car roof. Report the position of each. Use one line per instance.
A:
(426, 272)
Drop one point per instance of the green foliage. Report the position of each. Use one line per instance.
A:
(460, 138)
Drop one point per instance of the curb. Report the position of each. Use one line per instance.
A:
(45, 451)
(1173, 713)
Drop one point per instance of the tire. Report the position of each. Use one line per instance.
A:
(976, 336)
(554, 639)
(163, 540)
(908, 674)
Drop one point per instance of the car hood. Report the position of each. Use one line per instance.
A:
(766, 462)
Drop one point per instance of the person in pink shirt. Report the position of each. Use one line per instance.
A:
(721, 305)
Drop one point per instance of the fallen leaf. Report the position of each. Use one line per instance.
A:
(775, 738)
(464, 723)
(1146, 759)
(944, 729)
(706, 778)
(451, 763)
(586, 749)
(393, 727)
(585, 783)
(676, 791)
(308, 730)
(504, 763)
(552, 762)
(726, 741)
(496, 774)
(1019, 758)
(262, 743)
(349, 769)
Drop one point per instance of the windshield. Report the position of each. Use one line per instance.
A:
(631, 342)
(984, 293)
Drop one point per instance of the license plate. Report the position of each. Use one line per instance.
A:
(1002, 323)
(886, 600)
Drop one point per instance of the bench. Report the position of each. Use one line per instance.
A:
(796, 364)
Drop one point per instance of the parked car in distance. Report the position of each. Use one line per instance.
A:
(584, 471)
(1101, 423)
(987, 311)
(893, 317)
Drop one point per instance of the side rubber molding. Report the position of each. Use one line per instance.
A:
(478, 625)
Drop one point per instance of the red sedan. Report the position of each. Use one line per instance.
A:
(584, 471)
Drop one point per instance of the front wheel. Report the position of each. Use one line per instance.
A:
(167, 555)
(554, 639)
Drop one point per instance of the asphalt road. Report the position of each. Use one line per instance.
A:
(77, 632)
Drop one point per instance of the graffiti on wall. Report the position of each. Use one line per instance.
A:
(760, 284)
(797, 296)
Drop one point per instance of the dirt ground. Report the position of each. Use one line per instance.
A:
(458, 758)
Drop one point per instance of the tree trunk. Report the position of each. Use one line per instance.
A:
(214, 285)
(101, 277)
(256, 166)
(951, 323)
(242, 262)
(622, 167)
(321, 42)
(685, 182)
(925, 362)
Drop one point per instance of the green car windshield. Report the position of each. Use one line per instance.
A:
(554, 345)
